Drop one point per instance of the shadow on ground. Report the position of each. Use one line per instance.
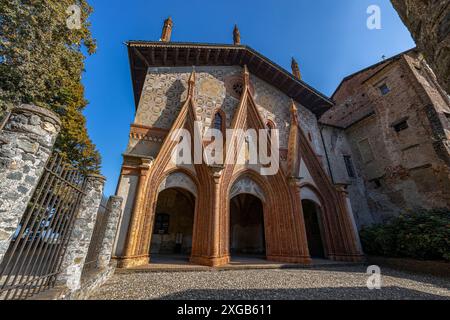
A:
(344, 293)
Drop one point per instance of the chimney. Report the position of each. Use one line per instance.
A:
(167, 30)
(296, 69)
(236, 36)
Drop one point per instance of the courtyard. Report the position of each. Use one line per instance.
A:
(326, 282)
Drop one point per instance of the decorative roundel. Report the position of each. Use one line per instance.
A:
(238, 88)
(235, 86)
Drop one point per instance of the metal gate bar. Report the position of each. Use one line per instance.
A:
(33, 259)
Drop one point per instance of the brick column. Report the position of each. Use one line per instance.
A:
(302, 256)
(115, 207)
(26, 142)
(353, 246)
(210, 246)
(80, 238)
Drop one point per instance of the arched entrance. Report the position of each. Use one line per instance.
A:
(247, 237)
(174, 223)
(314, 232)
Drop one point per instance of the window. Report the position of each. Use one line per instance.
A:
(238, 88)
(218, 121)
(270, 126)
(403, 125)
(161, 223)
(384, 89)
(376, 183)
(349, 166)
(366, 150)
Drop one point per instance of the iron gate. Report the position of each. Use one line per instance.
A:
(34, 257)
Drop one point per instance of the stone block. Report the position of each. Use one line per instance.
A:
(22, 160)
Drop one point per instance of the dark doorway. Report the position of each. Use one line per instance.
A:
(174, 223)
(247, 226)
(313, 229)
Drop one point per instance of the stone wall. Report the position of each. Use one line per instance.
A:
(401, 168)
(429, 24)
(26, 142)
(87, 287)
(80, 239)
(127, 190)
(337, 146)
(114, 206)
(73, 283)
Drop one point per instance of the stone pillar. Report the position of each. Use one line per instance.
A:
(26, 143)
(80, 238)
(115, 207)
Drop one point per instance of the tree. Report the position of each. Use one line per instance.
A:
(41, 63)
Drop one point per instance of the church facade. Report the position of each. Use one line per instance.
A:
(211, 213)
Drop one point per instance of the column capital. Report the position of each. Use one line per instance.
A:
(114, 200)
(342, 187)
(295, 181)
(37, 110)
(216, 171)
(146, 164)
(95, 176)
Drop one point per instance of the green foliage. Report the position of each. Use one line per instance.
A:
(41, 63)
(424, 235)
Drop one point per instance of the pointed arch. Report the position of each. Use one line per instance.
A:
(179, 178)
(219, 121)
(141, 225)
(341, 238)
(245, 182)
(310, 192)
(270, 124)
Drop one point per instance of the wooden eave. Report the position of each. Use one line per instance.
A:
(146, 54)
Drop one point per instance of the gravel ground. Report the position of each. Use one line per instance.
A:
(331, 283)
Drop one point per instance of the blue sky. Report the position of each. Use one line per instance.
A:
(329, 39)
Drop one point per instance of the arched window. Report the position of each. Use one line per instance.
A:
(218, 121)
(219, 124)
(270, 126)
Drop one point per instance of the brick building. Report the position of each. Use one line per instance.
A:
(391, 122)
(211, 212)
